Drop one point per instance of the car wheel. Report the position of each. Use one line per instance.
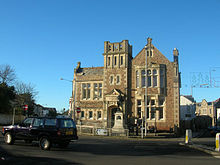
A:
(45, 143)
(9, 139)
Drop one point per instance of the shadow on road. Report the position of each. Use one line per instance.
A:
(9, 159)
(133, 148)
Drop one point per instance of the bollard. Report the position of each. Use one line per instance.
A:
(217, 142)
(188, 136)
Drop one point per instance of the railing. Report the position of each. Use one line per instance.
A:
(92, 130)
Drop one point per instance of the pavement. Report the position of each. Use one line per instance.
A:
(202, 141)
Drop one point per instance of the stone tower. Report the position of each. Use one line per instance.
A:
(116, 82)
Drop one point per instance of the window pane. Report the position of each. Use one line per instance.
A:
(148, 113)
(88, 85)
(95, 85)
(154, 81)
(111, 79)
(50, 122)
(82, 114)
(137, 79)
(90, 114)
(139, 112)
(84, 94)
(28, 121)
(152, 113)
(95, 93)
(67, 123)
(161, 81)
(83, 85)
(109, 60)
(121, 60)
(138, 102)
(148, 81)
(100, 93)
(100, 85)
(99, 114)
(88, 96)
(118, 79)
(152, 102)
(161, 72)
(161, 101)
(38, 122)
(161, 113)
(143, 84)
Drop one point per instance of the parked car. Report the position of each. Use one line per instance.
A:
(45, 130)
(213, 130)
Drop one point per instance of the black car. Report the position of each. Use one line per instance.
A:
(46, 130)
(214, 130)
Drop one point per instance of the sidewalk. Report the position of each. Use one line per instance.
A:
(202, 141)
(204, 148)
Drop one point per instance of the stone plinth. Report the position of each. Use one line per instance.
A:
(118, 128)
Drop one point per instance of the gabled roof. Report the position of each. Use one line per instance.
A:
(189, 97)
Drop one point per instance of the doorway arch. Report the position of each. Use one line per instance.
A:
(111, 115)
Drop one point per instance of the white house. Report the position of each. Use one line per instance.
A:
(187, 108)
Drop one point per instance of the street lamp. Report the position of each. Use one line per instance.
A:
(73, 96)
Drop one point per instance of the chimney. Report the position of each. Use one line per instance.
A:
(175, 55)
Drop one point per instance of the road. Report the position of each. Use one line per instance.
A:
(89, 150)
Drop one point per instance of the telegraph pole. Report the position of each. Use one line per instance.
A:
(145, 108)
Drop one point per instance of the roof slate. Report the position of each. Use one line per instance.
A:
(92, 71)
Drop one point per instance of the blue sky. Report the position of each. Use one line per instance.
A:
(44, 39)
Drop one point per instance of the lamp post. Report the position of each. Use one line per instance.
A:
(145, 107)
(73, 96)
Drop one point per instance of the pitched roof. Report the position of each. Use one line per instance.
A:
(189, 97)
(92, 71)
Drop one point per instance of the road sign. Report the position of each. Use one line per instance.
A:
(26, 107)
(78, 110)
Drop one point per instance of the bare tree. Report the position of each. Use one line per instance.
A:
(7, 74)
(22, 88)
(25, 94)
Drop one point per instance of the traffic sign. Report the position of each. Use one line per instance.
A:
(26, 107)
(78, 110)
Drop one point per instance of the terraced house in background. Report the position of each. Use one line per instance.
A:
(120, 86)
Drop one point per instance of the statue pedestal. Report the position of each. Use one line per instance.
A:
(118, 128)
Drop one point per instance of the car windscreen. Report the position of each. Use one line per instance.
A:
(67, 123)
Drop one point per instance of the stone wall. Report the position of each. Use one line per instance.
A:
(6, 119)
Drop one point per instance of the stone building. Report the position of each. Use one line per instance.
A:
(122, 84)
(208, 110)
